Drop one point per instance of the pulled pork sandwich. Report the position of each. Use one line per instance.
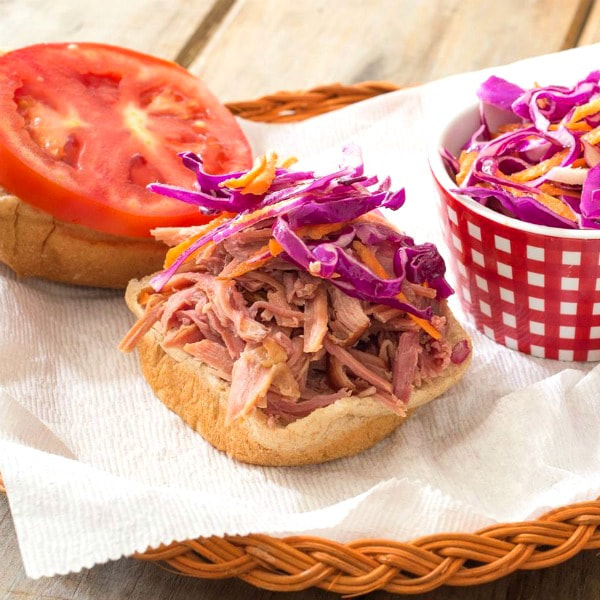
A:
(298, 326)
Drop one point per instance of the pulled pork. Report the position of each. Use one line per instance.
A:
(287, 341)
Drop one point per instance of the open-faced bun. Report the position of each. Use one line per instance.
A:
(34, 244)
(350, 425)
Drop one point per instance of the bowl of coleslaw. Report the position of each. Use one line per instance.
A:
(518, 177)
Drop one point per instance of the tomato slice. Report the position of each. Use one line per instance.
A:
(85, 127)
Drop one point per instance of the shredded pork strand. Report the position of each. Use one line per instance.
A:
(287, 341)
(143, 325)
(315, 324)
(215, 355)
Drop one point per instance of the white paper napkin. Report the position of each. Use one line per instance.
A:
(97, 468)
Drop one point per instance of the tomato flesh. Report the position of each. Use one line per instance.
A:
(86, 127)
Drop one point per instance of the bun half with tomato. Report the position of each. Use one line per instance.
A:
(84, 129)
(299, 326)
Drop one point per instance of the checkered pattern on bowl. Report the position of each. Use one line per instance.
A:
(536, 293)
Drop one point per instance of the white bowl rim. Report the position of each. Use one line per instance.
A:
(438, 170)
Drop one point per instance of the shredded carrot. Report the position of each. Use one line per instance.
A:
(316, 232)
(593, 137)
(580, 162)
(556, 205)
(539, 169)
(246, 178)
(585, 110)
(275, 248)
(551, 189)
(259, 179)
(262, 182)
(582, 126)
(510, 127)
(370, 260)
(288, 162)
(175, 251)
(465, 161)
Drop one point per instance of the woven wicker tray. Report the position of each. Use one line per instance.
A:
(300, 562)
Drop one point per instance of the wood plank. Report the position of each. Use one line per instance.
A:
(577, 579)
(160, 27)
(269, 45)
(591, 30)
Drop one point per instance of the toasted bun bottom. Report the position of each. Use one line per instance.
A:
(348, 426)
(34, 244)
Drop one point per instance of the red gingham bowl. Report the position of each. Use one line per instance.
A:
(533, 288)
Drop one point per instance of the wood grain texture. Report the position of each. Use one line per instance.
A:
(266, 45)
(577, 579)
(159, 27)
(590, 33)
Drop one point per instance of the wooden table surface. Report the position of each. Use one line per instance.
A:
(247, 48)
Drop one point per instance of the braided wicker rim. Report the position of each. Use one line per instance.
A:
(421, 565)
(362, 566)
(284, 107)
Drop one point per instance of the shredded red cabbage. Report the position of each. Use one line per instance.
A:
(296, 200)
(499, 92)
(423, 264)
(590, 196)
(546, 128)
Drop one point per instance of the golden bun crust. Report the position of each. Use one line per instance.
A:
(190, 389)
(34, 244)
